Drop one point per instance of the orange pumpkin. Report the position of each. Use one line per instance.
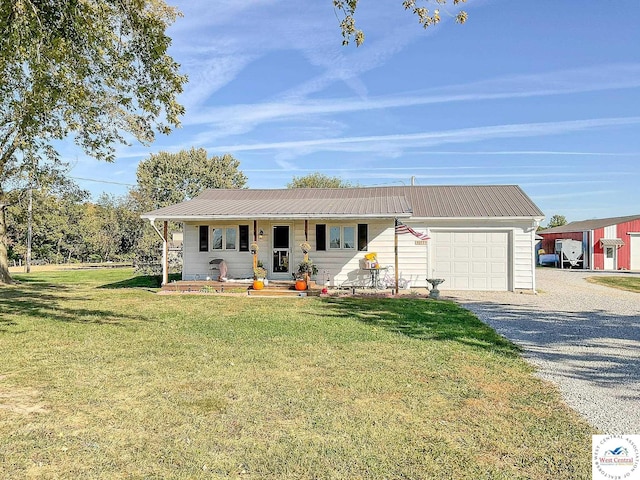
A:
(301, 285)
(258, 284)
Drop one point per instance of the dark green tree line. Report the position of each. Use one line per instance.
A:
(68, 227)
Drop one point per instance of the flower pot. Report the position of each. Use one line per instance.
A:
(258, 284)
(301, 285)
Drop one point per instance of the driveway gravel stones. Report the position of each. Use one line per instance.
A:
(583, 337)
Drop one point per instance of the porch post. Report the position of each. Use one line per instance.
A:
(306, 230)
(165, 254)
(255, 240)
(165, 249)
(395, 249)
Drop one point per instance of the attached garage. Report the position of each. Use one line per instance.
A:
(471, 260)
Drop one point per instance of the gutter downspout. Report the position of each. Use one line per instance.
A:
(165, 249)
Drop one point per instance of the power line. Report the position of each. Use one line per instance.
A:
(102, 181)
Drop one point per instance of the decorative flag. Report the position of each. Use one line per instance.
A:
(401, 228)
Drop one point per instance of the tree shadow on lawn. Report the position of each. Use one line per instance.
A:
(41, 300)
(148, 282)
(425, 320)
(596, 345)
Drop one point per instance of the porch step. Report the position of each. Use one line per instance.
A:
(281, 292)
(274, 288)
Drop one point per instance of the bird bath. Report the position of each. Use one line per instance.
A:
(435, 293)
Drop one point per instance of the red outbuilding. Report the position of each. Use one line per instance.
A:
(607, 243)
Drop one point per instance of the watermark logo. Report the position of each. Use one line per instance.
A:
(616, 457)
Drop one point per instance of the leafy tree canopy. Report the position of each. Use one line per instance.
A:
(557, 221)
(346, 10)
(168, 178)
(318, 180)
(97, 70)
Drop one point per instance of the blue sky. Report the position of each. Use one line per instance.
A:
(542, 94)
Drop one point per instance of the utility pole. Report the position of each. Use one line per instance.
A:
(27, 263)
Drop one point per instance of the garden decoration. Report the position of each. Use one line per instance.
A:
(435, 293)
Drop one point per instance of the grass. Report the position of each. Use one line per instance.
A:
(631, 284)
(119, 383)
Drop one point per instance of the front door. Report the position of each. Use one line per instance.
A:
(281, 250)
(609, 258)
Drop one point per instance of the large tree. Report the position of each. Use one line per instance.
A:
(94, 69)
(346, 10)
(318, 180)
(557, 221)
(167, 178)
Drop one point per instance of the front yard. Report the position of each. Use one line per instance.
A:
(103, 382)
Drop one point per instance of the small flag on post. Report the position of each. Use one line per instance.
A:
(401, 228)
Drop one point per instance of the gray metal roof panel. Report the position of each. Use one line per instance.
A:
(418, 201)
(587, 225)
(248, 203)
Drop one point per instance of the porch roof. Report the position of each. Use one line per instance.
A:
(611, 242)
(293, 203)
(473, 201)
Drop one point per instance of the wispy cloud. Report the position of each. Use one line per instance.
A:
(572, 195)
(374, 143)
(458, 153)
(239, 119)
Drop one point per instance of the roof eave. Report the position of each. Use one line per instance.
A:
(181, 218)
(529, 218)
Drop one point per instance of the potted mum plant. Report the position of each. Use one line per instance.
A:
(259, 274)
(306, 269)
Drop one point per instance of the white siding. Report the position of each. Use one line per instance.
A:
(196, 263)
(611, 231)
(523, 263)
(342, 267)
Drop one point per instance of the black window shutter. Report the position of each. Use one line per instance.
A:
(204, 238)
(244, 237)
(363, 237)
(321, 236)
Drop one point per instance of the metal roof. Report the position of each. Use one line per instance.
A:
(409, 201)
(611, 242)
(587, 225)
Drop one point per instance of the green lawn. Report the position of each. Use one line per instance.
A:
(101, 378)
(621, 282)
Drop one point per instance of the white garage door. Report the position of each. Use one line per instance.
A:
(634, 245)
(471, 260)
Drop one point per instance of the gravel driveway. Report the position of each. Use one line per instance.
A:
(585, 338)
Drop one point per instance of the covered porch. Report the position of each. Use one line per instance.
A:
(273, 288)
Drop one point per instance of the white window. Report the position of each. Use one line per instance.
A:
(230, 236)
(342, 237)
(335, 240)
(349, 236)
(224, 238)
(217, 239)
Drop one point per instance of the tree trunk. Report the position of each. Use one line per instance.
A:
(29, 231)
(4, 257)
